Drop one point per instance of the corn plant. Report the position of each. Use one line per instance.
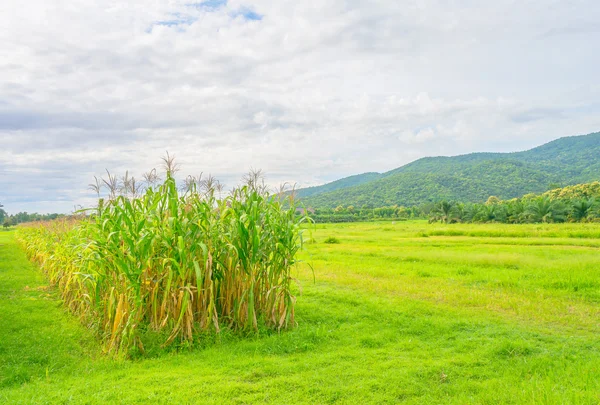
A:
(181, 263)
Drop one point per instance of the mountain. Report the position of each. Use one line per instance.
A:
(468, 178)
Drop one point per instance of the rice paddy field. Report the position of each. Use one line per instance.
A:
(386, 313)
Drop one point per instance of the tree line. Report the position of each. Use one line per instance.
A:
(368, 213)
(580, 203)
(8, 220)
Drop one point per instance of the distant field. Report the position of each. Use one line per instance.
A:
(403, 312)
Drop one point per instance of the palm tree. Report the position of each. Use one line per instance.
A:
(491, 213)
(543, 209)
(516, 211)
(471, 212)
(459, 212)
(444, 211)
(581, 209)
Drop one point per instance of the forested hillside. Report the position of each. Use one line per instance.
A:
(469, 178)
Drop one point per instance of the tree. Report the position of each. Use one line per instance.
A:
(470, 212)
(582, 208)
(444, 212)
(492, 200)
(543, 209)
(402, 212)
(7, 223)
(491, 213)
(3, 213)
(515, 211)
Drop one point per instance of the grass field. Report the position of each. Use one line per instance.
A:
(396, 313)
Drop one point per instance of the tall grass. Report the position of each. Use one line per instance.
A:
(181, 263)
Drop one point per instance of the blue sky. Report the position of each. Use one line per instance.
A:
(184, 19)
(309, 92)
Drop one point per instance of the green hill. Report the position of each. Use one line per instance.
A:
(473, 177)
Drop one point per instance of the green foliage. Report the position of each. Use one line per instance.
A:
(3, 214)
(543, 209)
(176, 265)
(583, 208)
(578, 191)
(444, 211)
(330, 218)
(574, 203)
(490, 213)
(24, 217)
(351, 214)
(471, 178)
(331, 240)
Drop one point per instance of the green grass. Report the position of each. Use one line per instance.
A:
(399, 313)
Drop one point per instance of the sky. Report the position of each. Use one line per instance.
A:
(309, 92)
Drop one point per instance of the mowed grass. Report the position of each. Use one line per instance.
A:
(402, 312)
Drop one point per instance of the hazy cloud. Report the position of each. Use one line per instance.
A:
(309, 92)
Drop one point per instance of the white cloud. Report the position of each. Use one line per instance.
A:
(310, 92)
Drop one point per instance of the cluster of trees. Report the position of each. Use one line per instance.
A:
(579, 203)
(10, 220)
(366, 213)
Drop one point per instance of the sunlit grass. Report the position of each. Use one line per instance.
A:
(537, 279)
(393, 317)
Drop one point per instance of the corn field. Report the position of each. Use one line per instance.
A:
(177, 262)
